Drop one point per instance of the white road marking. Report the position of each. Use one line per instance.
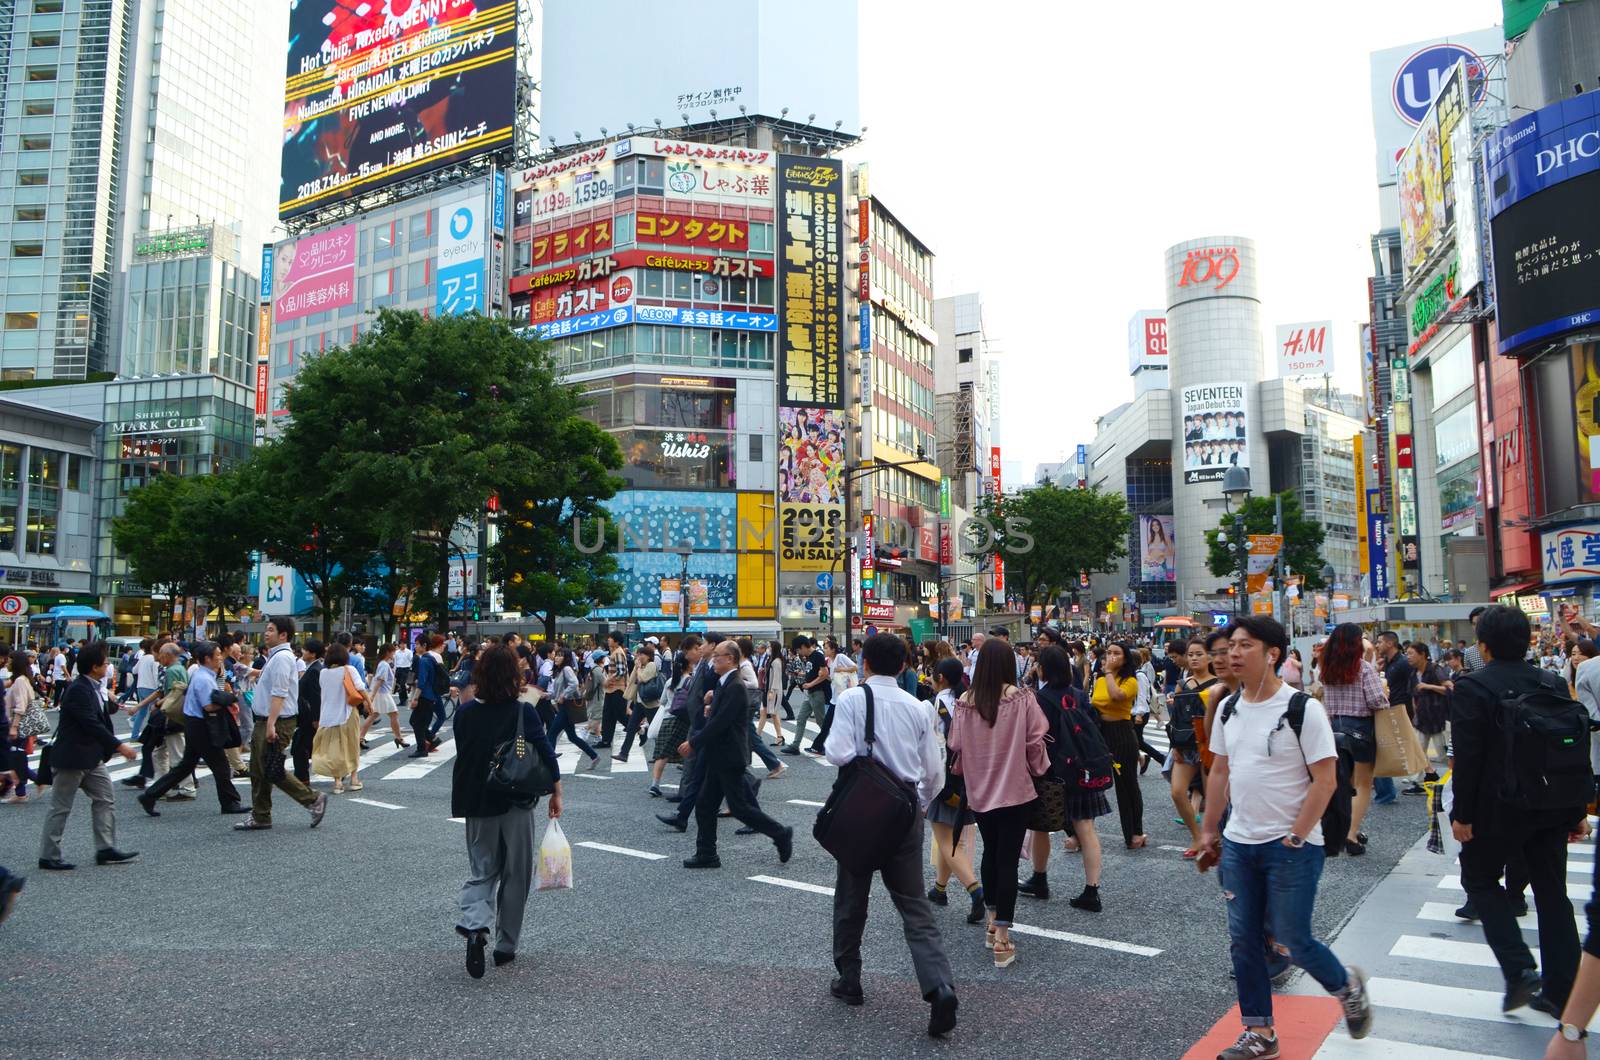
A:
(1445, 913)
(375, 802)
(418, 768)
(1581, 865)
(629, 851)
(378, 754)
(795, 885)
(1340, 1046)
(1087, 940)
(1457, 1001)
(1579, 891)
(804, 802)
(635, 763)
(459, 820)
(589, 776)
(1447, 951)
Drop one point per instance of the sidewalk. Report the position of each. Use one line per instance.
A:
(1435, 986)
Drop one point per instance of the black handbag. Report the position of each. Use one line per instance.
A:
(276, 771)
(45, 775)
(868, 812)
(1050, 807)
(221, 729)
(517, 771)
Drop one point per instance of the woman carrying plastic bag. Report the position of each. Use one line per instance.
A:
(500, 831)
(555, 859)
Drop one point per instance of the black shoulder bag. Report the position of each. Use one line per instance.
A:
(868, 812)
(517, 771)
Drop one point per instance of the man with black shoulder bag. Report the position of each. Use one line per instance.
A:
(1521, 784)
(884, 741)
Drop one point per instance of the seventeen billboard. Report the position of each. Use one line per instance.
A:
(373, 95)
(1215, 433)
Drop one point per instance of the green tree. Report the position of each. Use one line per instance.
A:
(404, 436)
(193, 534)
(1302, 538)
(1047, 536)
(538, 558)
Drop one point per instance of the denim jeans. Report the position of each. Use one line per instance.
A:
(1271, 880)
(141, 715)
(1383, 792)
(759, 746)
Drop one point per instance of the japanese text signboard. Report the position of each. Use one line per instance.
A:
(1571, 554)
(315, 273)
(810, 294)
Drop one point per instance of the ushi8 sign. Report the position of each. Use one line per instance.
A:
(811, 295)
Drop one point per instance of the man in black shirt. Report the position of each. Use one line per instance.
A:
(310, 713)
(1397, 675)
(815, 685)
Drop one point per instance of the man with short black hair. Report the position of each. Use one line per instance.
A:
(1493, 833)
(83, 743)
(907, 744)
(276, 706)
(308, 708)
(815, 686)
(1470, 652)
(1279, 777)
(197, 738)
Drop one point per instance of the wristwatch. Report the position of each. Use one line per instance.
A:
(1294, 840)
(1573, 1033)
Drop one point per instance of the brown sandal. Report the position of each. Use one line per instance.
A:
(1138, 842)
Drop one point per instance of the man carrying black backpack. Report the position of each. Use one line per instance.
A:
(1521, 784)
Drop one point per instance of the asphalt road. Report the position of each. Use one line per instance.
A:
(340, 941)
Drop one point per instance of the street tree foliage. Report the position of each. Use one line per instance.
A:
(397, 442)
(1047, 536)
(1302, 539)
(192, 535)
(538, 558)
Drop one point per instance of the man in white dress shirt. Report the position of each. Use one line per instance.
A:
(906, 743)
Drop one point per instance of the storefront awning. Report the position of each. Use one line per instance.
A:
(1515, 590)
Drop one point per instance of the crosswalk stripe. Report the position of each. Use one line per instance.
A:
(1447, 951)
(378, 754)
(1579, 891)
(1458, 1001)
(421, 767)
(1584, 868)
(643, 855)
(796, 885)
(1445, 913)
(1340, 1046)
(375, 802)
(634, 764)
(804, 802)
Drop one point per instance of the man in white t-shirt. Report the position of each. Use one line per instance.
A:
(146, 680)
(1279, 782)
(402, 671)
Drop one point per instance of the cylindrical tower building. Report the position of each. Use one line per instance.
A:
(1214, 344)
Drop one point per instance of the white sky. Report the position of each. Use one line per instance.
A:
(1050, 153)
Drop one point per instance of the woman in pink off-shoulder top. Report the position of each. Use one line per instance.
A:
(997, 735)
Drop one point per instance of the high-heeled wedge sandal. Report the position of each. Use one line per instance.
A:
(1004, 953)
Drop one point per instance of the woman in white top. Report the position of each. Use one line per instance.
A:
(21, 702)
(842, 670)
(336, 749)
(383, 698)
(772, 702)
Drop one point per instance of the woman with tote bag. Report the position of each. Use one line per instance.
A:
(1353, 693)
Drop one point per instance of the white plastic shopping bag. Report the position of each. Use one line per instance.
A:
(656, 722)
(555, 860)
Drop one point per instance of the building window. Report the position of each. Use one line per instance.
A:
(22, 321)
(30, 213)
(755, 449)
(964, 355)
(33, 178)
(44, 39)
(35, 108)
(74, 472)
(47, 7)
(41, 73)
(36, 142)
(27, 250)
(44, 501)
(10, 494)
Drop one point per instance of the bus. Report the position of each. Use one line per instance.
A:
(60, 625)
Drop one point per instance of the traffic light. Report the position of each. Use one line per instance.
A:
(824, 615)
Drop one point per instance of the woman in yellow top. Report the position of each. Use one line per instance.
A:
(1115, 692)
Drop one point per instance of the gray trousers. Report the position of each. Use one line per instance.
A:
(814, 704)
(96, 783)
(902, 876)
(500, 857)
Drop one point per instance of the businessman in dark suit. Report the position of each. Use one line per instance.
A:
(84, 741)
(723, 747)
(702, 681)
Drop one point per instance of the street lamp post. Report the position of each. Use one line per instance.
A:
(1236, 490)
(683, 550)
(851, 474)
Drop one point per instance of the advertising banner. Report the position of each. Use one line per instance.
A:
(458, 271)
(810, 488)
(1158, 554)
(1303, 349)
(1421, 187)
(580, 299)
(688, 318)
(1263, 550)
(1571, 553)
(879, 612)
(374, 95)
(1215, 435)
(811, 294)
(642, 573)
(680, 231)
(261, 388)
(1147, 340)
(1544, 177)
(1377, 546)
(1359, 443)
(688, 181)
(557, 189)
(576, 242)
(594, 268)
(1406, 79)
(315, 273)
(810, 536)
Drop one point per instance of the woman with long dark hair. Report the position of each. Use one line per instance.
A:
(770, 702)
(998, 735)
(945, 815)
(1115, 692)
(1351, 691)
(1188, 705)
(499, 832)
(675, 729)
(564, 701)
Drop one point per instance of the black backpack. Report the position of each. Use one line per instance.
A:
(1338, 814)
(1078, 753)
(1182, 708)
(440, 684)
(1545, 733)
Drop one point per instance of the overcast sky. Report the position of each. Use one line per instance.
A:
(1050, 153)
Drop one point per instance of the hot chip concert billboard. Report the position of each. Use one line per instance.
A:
(378, 91)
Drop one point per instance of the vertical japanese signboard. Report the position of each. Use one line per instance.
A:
(810, 290)
(999, 592)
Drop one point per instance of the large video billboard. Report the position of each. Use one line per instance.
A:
(1543, 176)
(811, 454)
(811, 283)
(374, 94)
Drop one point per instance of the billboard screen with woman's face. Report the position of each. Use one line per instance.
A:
(1158, 553)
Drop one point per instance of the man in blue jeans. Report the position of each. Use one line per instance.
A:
(1271, 850)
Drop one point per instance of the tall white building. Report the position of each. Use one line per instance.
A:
(964, 381)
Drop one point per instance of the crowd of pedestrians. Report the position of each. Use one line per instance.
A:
(1272, 763)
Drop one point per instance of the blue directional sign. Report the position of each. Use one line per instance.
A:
(824, 583)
